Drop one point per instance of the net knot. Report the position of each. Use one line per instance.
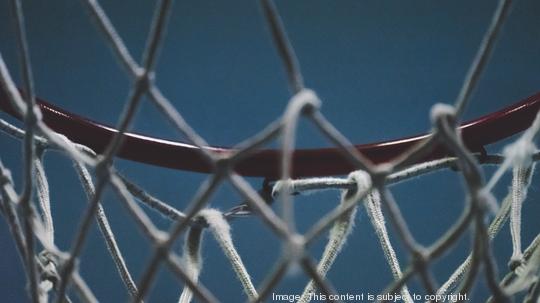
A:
(363, 182)
(211, 217)
(420, 258)
(439, 110)
(295, 247)
(380, 173)
(144, 79)
(442, 111)
(520, 152)
(48, 270)
(307, 100)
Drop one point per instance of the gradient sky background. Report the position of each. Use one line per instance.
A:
(378, 66)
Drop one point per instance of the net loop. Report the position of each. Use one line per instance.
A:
(520, 152)
(340, 230)
(215, 221)
(363, 182)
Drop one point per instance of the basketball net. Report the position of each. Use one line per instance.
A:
(52, 271)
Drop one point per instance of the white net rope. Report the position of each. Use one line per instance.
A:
(52, 271)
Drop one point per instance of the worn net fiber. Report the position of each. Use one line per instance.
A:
(52, 271)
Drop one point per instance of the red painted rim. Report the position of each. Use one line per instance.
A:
(265, 163)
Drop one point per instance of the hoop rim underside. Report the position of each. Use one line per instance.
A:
(476, 133)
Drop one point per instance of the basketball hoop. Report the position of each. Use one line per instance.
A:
(370, 169)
